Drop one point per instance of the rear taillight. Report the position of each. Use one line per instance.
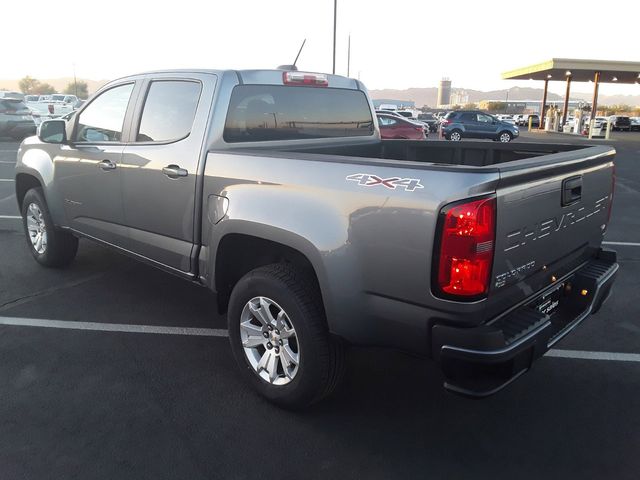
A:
(446, 122)
(306, 79)
(467, 241)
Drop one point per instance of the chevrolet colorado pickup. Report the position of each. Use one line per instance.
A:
(273, 189)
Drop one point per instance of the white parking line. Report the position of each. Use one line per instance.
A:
(6, 179)
(628, 244)
(216, 332)
(7, 163)
(10, 217)
(112, 327)
(583, 355)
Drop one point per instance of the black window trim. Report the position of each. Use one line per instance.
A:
(125, 123)
(139, 109)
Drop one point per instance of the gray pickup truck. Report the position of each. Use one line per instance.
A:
(273, 189)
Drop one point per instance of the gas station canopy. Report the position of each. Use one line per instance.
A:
(579, 70)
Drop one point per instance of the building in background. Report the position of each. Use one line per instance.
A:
(444, 92)
(459, 97)
(400, 104)
(530, 106)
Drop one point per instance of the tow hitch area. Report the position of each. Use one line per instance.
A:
(481, 361)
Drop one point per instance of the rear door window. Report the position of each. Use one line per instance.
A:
(277, 112)
(468, 117)
(169, 110)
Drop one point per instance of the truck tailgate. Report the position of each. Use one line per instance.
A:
(552, 214)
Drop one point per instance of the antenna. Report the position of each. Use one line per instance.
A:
(299, 51)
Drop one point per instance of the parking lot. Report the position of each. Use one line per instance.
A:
(112, 369)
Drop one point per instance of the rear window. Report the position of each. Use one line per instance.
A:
(276, 112)
(425, 116)
(12, 105)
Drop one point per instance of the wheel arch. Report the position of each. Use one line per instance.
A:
(24, 183)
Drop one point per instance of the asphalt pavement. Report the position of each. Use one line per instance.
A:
(149, 398)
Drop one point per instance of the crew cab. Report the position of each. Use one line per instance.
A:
(273, 189)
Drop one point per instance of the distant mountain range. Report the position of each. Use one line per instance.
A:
(58, 83)
(428, 96)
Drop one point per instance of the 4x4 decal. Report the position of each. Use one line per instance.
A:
(368, 180)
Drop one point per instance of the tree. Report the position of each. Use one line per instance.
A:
(27, 84)
(496, 106)
(79, 89)
(470, 106)
(44, 89)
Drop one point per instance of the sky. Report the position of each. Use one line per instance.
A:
(394, 44)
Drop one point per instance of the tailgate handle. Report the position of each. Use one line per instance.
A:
(571, 190)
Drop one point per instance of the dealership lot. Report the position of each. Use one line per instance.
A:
(114, 398)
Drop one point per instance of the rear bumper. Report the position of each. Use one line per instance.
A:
(482, 360)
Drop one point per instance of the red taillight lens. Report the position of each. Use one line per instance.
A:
(466, 248)
(446, 122)
(307, 79)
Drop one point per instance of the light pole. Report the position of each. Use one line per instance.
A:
(349, 56)
(335, 20)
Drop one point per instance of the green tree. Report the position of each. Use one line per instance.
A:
(496, 106)
(28, 84)
(79, 89)
(44, 89)
(470, 106)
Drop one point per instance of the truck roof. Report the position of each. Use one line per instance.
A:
(255, 76)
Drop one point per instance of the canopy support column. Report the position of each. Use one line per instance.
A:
(544, 104)
(594, 102)
(566, 100)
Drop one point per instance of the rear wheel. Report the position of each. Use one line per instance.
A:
(455, 136)
(279, 337)
(505, 137)
(49, 245)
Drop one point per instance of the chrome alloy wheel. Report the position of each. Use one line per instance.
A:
(37, 228)
(455, 136)
(269, 341)
(505, 137)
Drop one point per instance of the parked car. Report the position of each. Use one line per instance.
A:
(430, 120)
(274, 190)
(392, 126)
(10, 94)
(506, 118)
(619, 122)
(15, 119)
(635, 124)
(475, 124)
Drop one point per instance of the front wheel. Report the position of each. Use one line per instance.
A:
(505, 137)
(49, 245)
(279, 337)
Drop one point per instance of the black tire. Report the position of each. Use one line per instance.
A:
(321, 365)
(61, 246)
(455, 135)
(505, 134)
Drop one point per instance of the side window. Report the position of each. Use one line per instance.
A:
(387, 121)
(169, 110)
(485, 118)
(468, 117)
(102, 120)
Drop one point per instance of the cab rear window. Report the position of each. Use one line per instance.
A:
(259, 113)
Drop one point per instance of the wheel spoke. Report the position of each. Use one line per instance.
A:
(38, 244)
(272, 367)
(290, 355)
(262, 313)
(253, 335)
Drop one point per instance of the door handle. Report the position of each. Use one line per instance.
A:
(571, 190)
(174, 171)
(107, 165)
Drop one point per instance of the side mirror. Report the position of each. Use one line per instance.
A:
(53, 131)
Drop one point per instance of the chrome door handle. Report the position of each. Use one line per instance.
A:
(174, 171)
(107, 165)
